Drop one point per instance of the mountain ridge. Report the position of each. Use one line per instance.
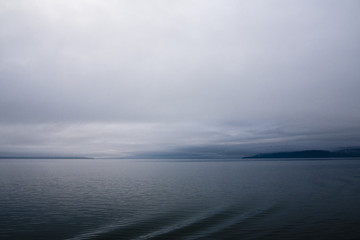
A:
(344, 153)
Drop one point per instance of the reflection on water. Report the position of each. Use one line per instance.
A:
(129, 199)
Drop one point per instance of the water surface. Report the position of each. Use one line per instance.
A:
(149, 199)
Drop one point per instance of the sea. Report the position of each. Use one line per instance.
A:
(79, 199)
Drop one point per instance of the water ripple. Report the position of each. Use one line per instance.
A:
(172, 225)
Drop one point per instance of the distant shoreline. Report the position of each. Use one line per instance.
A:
(347, 153)
(17, 157)
(306, 154)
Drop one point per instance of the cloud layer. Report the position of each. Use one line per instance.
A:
(114, 78)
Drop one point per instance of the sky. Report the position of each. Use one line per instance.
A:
(123, 78)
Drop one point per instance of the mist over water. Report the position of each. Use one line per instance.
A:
(149, 199)
(178, 79)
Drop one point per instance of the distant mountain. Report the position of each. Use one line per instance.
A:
(27, 157)
(350, 152)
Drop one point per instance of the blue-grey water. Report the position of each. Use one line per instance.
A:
(148, 199)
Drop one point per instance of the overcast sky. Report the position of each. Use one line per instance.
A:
(116, 78)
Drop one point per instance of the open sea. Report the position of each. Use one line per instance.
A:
(157, 199)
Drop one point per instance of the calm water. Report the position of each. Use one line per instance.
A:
(132, 199)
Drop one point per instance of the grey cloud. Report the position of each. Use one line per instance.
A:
(212, 72)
